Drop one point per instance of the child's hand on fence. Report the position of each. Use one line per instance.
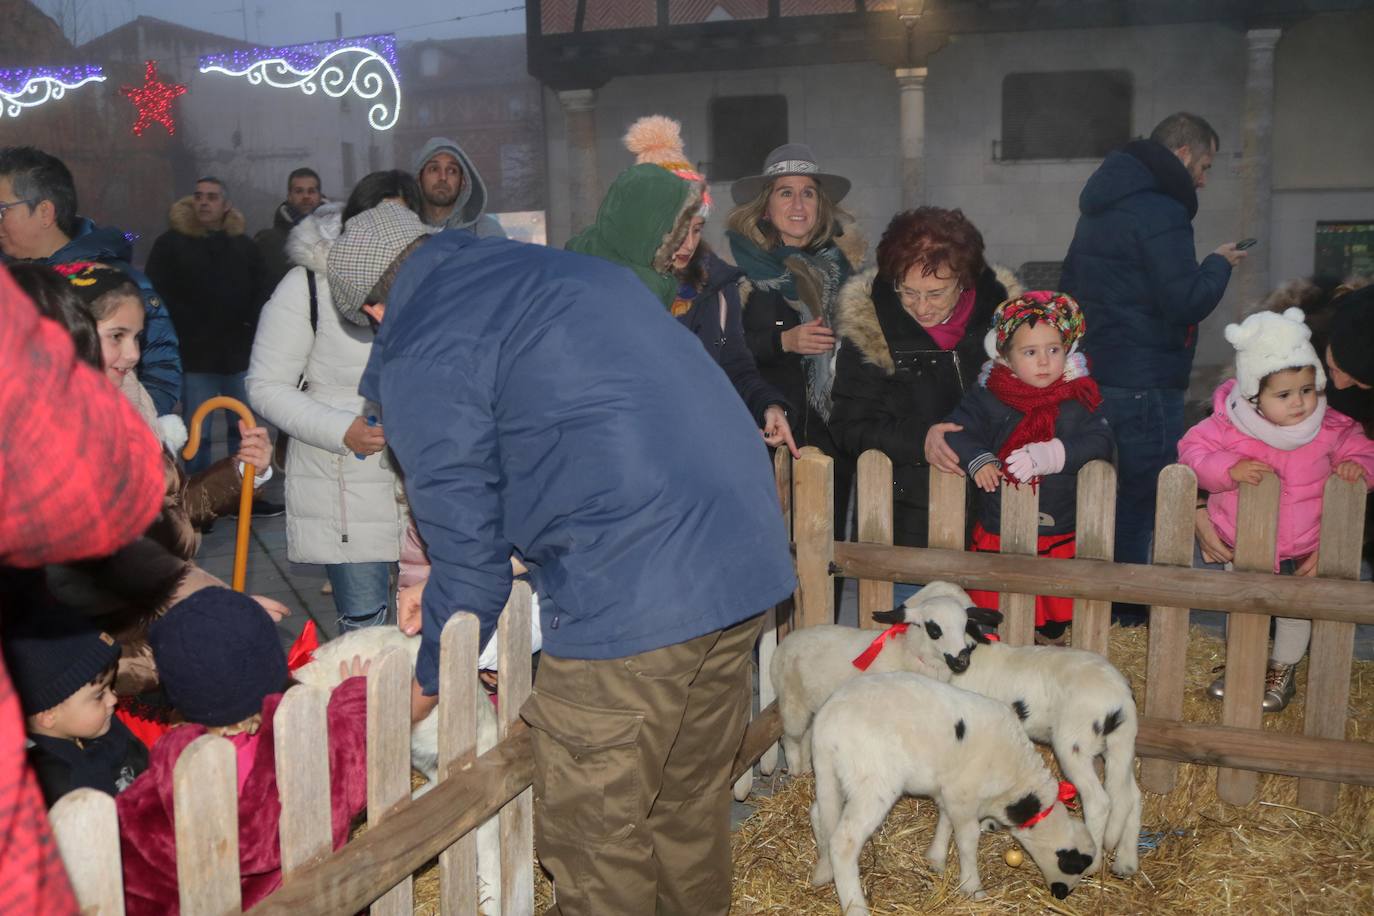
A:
(988, 477)
(1248, 470)
(408, 608)
(354, 668)
(1214, 549)
(1350, 471)
(1307, 566)
(1036, 459)
(254, 446)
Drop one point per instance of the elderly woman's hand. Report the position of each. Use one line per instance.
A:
(938, 454)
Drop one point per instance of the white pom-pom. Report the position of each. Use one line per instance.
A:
(172, 431)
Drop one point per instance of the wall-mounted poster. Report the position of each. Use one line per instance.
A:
(1344, 249)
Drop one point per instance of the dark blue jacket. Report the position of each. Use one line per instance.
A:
(727, 346)
(1133, 267)
(988, 423)
(159, 367)
(545, 401)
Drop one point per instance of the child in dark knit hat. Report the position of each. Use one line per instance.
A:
(63, 669)
(222, 665)
(1034, 420)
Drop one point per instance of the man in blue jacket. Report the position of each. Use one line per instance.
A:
(544, 403)
(1133, 267)
(38, 221)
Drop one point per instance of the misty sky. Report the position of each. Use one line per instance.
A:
(275, 22)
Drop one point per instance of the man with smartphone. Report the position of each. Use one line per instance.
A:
(1132, 266)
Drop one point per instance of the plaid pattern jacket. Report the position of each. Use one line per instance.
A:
(80, 475)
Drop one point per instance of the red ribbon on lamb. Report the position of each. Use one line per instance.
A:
(1067, 793)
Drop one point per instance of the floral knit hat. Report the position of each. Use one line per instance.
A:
(1029, 308)
(658, 140)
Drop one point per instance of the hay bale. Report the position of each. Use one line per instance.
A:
(1206, 856)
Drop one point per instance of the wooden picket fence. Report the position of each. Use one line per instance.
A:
(376, 868)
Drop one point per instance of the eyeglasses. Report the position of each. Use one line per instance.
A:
(4, 207)
(933, 297)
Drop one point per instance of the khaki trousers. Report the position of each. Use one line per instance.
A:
(632, 775)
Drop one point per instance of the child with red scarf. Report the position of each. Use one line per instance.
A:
(1032, 420)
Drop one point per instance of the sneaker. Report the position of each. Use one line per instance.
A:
(1279, 686)
(264, 509)
(1217, 689)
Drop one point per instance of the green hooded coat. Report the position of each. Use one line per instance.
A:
(641, 223)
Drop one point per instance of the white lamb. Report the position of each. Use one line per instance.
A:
(812, 662)
(1079, 704)
(887, 735)
(367, 644)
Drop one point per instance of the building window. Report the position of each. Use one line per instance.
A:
(1075, 114)
(429, 63)
(744, 129)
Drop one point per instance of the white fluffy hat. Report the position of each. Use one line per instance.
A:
(1267, 342)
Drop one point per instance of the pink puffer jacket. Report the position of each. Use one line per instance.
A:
(1213, 446)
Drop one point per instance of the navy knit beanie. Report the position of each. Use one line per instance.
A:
(1352, 334)
(53, 654)
(218, 656)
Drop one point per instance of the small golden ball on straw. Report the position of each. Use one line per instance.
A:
(1014, 857)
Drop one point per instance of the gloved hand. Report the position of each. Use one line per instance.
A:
(1036, 459)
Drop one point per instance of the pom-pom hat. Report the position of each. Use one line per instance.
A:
(657, 140)
(1269, 342)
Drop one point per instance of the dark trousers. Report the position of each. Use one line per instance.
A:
(1147, 424)
(632, 775)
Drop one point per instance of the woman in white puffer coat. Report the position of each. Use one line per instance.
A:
(341, 510)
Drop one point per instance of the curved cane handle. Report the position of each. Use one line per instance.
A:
(198, 419)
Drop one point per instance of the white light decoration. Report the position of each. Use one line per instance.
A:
(364, 67)
(35, 86)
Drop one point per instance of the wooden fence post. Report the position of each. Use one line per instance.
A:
(517, 816)
(388, 758)
(1095, 520)
(1247, 635)
(457, 712)
(86, 828)
(205, 803)
(948, 513)
(1167, 658)
(1333, 643)
(814, 523)
(782, 476)
(300, 738)
(1020, 535)
(875, 527)
(775, 624)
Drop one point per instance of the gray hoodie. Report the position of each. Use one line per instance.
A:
(469, 212)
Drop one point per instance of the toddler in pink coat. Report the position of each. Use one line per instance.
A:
(1273, 417)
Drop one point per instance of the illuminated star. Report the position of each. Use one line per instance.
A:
(153, 100)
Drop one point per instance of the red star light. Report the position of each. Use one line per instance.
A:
(153, 100)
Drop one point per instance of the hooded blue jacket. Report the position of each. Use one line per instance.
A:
(1133, 268)
(545, 402)
(159, 366)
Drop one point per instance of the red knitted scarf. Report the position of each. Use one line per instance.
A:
(1039, 407)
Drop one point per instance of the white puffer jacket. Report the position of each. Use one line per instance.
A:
(338, 509)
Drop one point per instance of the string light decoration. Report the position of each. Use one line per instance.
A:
(154, 100)
(364, 67)
(35, 86)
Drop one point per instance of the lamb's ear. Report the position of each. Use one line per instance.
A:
(987, 618)
(1020, 811)
(896, 615)
(976, 632)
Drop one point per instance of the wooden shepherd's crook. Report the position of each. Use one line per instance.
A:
(246, 496)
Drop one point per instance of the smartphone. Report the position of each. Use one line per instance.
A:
(1246, 243)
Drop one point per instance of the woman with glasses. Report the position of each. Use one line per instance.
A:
(911, 335)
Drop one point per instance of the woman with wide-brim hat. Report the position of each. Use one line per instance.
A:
(797, 248)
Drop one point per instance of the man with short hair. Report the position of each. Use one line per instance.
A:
(1133, 268)
(211, 275)
(39, 221)
(303, 196)
(544, 404)
(454, 195)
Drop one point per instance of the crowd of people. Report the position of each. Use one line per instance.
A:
(598, 419)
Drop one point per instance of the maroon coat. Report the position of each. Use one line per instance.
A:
(147, 837)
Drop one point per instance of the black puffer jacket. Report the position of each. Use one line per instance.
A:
(892, 383)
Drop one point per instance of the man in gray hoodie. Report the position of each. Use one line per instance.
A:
(454, 195)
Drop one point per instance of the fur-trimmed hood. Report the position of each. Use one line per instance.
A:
(182, 217)
(857, 316)
(309, 243)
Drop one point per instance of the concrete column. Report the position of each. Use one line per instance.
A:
(912, 119)
(584, 185)
(1257, 168)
